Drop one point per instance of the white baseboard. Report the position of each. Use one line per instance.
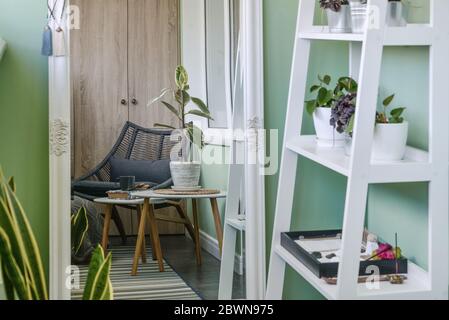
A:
(210, 245)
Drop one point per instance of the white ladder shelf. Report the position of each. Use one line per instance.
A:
(424, 166)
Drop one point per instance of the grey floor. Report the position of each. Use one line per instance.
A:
(179, 252)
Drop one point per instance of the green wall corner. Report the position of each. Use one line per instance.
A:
(24, 110)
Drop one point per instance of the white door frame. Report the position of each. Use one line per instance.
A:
(60, 157)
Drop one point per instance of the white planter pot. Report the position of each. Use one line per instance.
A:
(326, 134)
(389, 144)
(185, 174)
(390, 141)
(339, 22)
(359, 16)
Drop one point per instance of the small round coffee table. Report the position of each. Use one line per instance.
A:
(151, 195)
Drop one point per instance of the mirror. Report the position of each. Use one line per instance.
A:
(123, 54)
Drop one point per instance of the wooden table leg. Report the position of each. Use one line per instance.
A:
(106, 226)
(217, 219)
(144, 249)
(140, 240)
(154, 234)
(197, 231)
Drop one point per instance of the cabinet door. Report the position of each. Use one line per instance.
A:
(99, 68)
(154, 53)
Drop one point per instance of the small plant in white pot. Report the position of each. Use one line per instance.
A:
(390, 134)
(338, 15)
(321, 107)
(186, 172)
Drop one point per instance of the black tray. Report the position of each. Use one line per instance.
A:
(330, 269)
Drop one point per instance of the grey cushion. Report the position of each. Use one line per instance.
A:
(155, 171)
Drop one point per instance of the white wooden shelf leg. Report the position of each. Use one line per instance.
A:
(227, 263)
(439, 153)
(357, 190)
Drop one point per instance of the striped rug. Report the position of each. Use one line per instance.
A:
(149, 284)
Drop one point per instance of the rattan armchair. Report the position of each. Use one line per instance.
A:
(134, 143)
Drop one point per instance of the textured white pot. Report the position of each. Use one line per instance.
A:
(339, 22)
(390, 141)
(326, 134)
(185, 174)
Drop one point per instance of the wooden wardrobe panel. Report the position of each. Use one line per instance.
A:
(99, 79)
(99, 67)
(154, 53)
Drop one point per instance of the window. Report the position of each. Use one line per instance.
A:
(222, 23)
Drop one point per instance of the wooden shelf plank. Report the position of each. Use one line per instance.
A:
(411, 35)
(236, 223)
(414, 168)
(415, 287)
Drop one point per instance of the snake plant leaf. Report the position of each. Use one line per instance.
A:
(12, 184)
(102, 282)
(29, 248)
(200, 104)
(98, 281)
(200, 114)
(8, 285)
(10, 228)
(12, 273)
(80, 225)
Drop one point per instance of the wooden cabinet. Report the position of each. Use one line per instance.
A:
(124, 53)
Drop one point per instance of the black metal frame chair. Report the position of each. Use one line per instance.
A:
(134, 143)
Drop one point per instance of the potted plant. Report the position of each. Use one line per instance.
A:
(338, 15)
(185, 172)
(321, 108)
(396, 14)
(390, 134)
(359, 15)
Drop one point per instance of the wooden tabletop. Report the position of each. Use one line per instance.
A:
(152, 195)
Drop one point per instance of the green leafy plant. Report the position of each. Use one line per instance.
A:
(334, 5)
(20, 258)
(183, 99)
(98, 284)
(80, 225)
(21, 263)
(395, 116)
(326, 97)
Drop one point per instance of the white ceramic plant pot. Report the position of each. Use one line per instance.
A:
(359, 16)
(326, 134)
(390, 141)
(185, 174)
(339, 22)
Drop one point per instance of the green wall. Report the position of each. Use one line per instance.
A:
(320, 193)
(24, 109)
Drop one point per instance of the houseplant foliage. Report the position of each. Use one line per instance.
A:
(98, 284)
(21, 263)
(186, 173)
(80, 225)
(325, 105)
(183, 99)
(20, 258)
